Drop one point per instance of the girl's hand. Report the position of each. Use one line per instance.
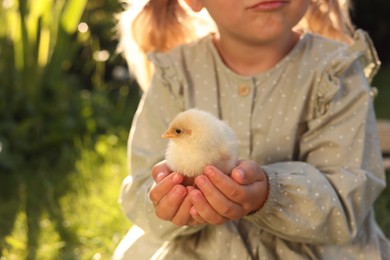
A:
(169, 196)
(221, 198)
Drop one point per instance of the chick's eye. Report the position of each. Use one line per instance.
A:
(178, 131)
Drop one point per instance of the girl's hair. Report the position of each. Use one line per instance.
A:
(160, 25)
(330, 18)
(157, 25)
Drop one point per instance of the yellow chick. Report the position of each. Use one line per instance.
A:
(197, 139)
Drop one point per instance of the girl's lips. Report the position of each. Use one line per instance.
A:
(268, 5)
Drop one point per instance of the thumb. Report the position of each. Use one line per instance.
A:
(160, 171)
(247, 172)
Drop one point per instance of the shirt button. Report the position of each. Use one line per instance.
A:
(243, 90)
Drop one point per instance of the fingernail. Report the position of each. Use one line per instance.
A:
(160, 176)
(200, 181)
(177, 178)
(241, 174)
(195, 196)
(179, 191)
(209, 170)
(193, 211)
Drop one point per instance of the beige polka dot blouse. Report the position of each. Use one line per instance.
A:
(309, 122)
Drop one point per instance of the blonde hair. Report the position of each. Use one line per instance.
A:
(157, 25)
(330, 18)
(160, 25)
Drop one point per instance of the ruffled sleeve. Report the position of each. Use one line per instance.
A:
(361, 55)
(368, 55)
(166, 73)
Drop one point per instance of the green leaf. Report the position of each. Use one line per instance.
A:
(72, 15)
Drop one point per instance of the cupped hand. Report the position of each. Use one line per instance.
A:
(221, 198)
(169, 196)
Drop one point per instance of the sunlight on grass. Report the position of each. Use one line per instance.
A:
(17, 241)
(50, 243)
(97, 197)
(93, 222)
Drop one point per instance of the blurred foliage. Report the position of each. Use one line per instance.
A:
(56, 77)
(382, 208)
(381, 101)
(38, 110)
(91, 223)
(61, 83)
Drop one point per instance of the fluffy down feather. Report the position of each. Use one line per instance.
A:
(197, 139)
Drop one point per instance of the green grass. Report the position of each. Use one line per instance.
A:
(85, 222)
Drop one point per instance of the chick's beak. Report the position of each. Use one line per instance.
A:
(168, 134)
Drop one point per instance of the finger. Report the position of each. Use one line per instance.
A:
(247, 172)
(182, 216)
(204, 209)
(225, 184)
(222, 204)
(161, 189)
(169, 204)
(194, 223)
(249, 197)
(160, 171)
(196, 218)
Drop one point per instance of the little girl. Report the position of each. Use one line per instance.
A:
(292, 79)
